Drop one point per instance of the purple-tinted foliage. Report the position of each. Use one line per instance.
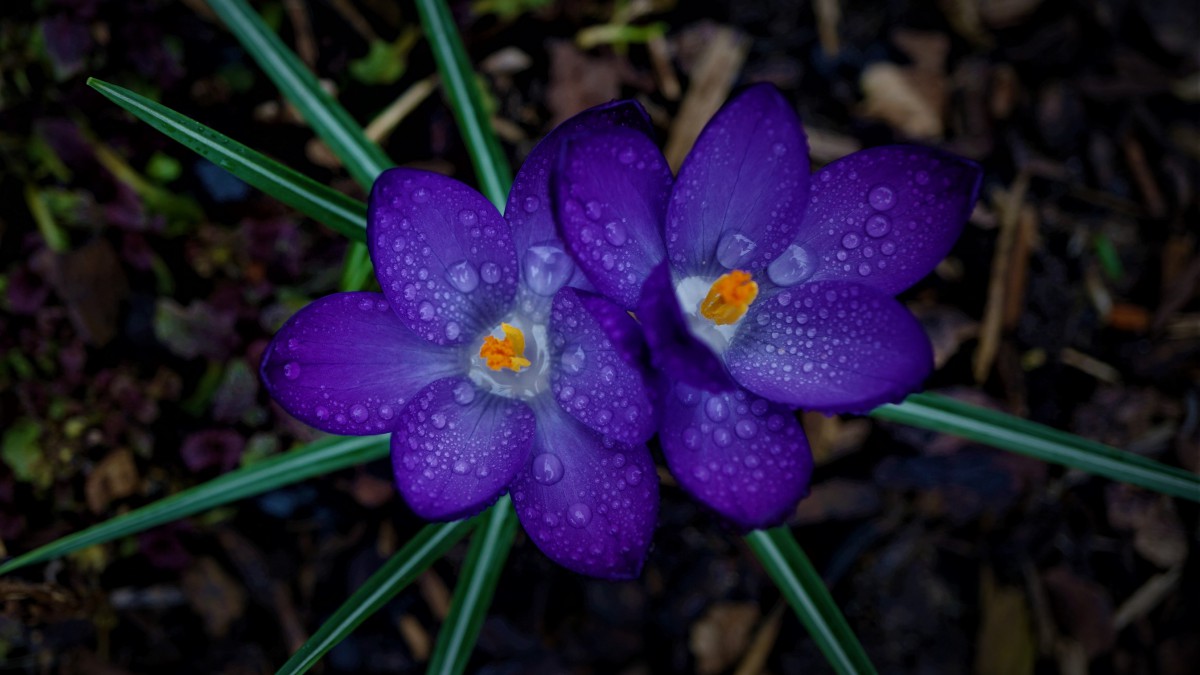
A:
(563, 428)
(761, 288)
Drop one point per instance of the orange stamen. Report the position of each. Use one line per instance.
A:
(729, 298)
(507, 353)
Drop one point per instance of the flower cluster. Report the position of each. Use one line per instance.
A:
(502, 353)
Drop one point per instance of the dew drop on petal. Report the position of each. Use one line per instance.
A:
(722, 437)
(425, 311)
(626, 155)
(291, 370)
(716, 409)
(462, 274)
(490, 272)
(547, 268)
(794, 266)
(438, 420)
(864, 269)
(420, 195)
(573, 359)
(615, 234)
(878, 225)
(467, 217)
(452, 330)
(592, 210)
(851, 240)
(386, 412)
(531, 204)
(579, 515)
(359, 413)
(547, 468)
(745, 429)
(882, 197)
(461, 467)
(733, 249)
(464, 393)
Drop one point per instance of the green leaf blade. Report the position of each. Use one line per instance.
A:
(343, 214)
(473, 593)
(805, 591)
(946, 415)
(322, 456)
(398, 572)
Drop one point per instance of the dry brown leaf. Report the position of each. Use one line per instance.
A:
(712, 79)
(115, 477)
(578, 81)
(909, 100)
(215, 595)
(1158, 533)
(721, 635)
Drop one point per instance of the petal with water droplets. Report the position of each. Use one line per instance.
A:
(886, 216)
(530, 208)
(457, 448)
(611, 199)
(597, 358)
(346, 364)
(742, 189)
(589, 504)
(674, 351)
(833, 346)
(743, 457)
(443, 255)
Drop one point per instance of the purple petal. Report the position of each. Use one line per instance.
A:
(596, 351)
(457, 448)
(674, 351)
(743, 457)
(588, 503)
(346, 364)
(530, 209)
(832, 346)
(883, 217)
(443, 256)
(742, 189)
(611, 199)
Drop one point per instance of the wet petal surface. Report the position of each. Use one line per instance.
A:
(743, 457)
(596, 358)
(530, 208)
(742, 190)
(832, 346)
(457, 448)
(590, 505)
(883, 217)
(443, 256)
(346, 364)
(611, 200)
(674, 351)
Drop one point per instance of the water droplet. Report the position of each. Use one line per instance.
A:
(722, 437)
(420, 195)
(452, 330)
(438, 420)
(878, 225)
(592, 210)
(462, 274)
(614, 232)
(864, 269)
(398, 244)
(851, 240)
(572, 360)
(425, 311)
(733, 249)
(386, 412)
(691, 438)
(887, 248)
(633, 475)
(716, 409)
(547, 268)
(467, 217)
(359, 413)
(531, 204)
(490, 272)
(779, 149)
(464, 393)
(322, 412)
(626, 155)
(579, 515)
(745, 428)
(547, 468)
(291, 370)
(461, 467)
(882, 197)
(794, 266)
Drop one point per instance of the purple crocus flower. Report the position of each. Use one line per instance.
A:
(489, 362)
(761, 288)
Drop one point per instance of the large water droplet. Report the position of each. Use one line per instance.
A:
(462, 274)
(878, 225)
(425, 311)
(592, 210)
(420, 195)
(615, 234)
(882, 197)
(531, 204)
(464, 393)
(490, 272)
(573, 359)
(452, 330)
(547, 469)
(291, 370)
(794, 266)
(461, 467)
(745, 429)
(579, 515)
(359, 413)
(733, 249)
(467, 217)
(716, 409)
(851, 240)
(547, 267)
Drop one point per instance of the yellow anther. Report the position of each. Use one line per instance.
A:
(729, 298)
(507, 353)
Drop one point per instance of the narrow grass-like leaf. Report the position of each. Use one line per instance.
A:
(362, 158)
(473, 594)
(319, 457)
(805, 591)
(466, 100)
(398, 572)
(940, 413)
(340, 213)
